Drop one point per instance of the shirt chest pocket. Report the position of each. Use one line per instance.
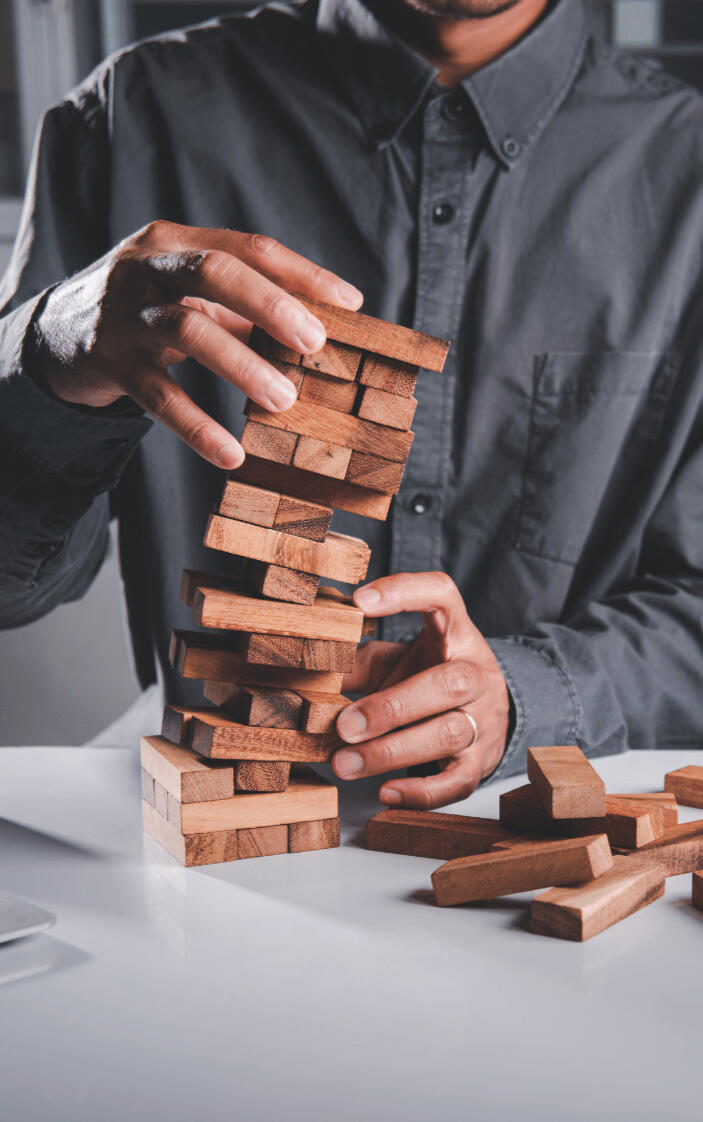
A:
(594, 418)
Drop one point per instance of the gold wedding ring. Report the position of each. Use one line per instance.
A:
(473, 724)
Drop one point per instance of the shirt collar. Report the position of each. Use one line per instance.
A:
(515, 96)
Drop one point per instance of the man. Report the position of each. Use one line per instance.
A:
(480, 170)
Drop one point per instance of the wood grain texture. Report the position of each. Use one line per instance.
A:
(197, 654)
(656, 802)
(566, 783)
(183, 773)
(292, 372)
(240, 611)
(249, 503)
(318, 389)
(303, 518)
(269, 348)
(263, 841)
(336, 359)
(375, 472)
(429, 833)
(397, 378)
(697, 891)
(325, 654)
(305, 419)
(306, 485)
(339, 557)
(261, 775)
(526, 867)
(579, 913)
(627, 825)
(215, 735)
(387, 408)
(679, 850)
(306, 836)
(273, 650)
(196, 849)
(279, 583)
(320, 710)
(370, 334)
(265, 707)
(686, 784)
(321, 457)
(305, 799)
(268, 442)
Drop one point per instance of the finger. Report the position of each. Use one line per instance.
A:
(431, 691)
(182, 327)
(373, 662)
(260, 252)
(235, 324)
(456, 782)
(433, 739)
(161, 396)
(436, 597)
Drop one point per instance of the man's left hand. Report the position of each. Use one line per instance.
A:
(420, 696)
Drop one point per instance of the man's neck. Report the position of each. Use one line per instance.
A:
(458, 46)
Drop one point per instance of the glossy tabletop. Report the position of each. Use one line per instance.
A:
(319, 986)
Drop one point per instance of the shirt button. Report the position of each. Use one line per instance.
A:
(420, 503)
(510, 148)
(453, 108)
(442, 213)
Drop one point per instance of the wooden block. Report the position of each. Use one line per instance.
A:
(397, 378)
(375, 472)
(306, 419)
(174, 724)
(265, 707)
(686, 784)
(678, 850)
(321, 457)
(305, 836)
(330, 392)
(306, 485)
(197, 654)
(268, 442)
(248, 503)
(627, 825)
(371, 334)
(339, 557)
(565, 781)
(307, 798)
(428, 833)
(659, 801)
(579, 913)
(239, 611)
(304, 519)
(279, 583)
(335, 359)
(320, 710)
(193, 579)
(387, 408)
(273, 650)
(270, 348)
(196, 849)
(160, 800)
(502, 872)
(263, 841)
(184, 774)
(324, 654)
(147, 787)
(215, 735)
(697, 891)
(261, 775)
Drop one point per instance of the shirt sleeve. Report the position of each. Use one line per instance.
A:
(57, 461)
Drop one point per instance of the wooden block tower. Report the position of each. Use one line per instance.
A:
(231, 780)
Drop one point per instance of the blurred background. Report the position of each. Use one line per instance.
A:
(46, 46)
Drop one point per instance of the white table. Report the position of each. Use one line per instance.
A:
(318, 986)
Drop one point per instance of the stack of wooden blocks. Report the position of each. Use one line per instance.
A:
(232, 780)
(601, 856)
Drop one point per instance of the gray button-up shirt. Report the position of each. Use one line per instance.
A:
(546, 216)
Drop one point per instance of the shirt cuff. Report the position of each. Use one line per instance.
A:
(545, 702)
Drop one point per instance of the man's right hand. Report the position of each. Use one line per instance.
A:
(171, 292)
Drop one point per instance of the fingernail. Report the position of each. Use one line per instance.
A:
(390, 795)
(311, 334)
(347, 764)
(366, 597)
(350, 295)
(351, 724)
(281, 393)
(230, 456)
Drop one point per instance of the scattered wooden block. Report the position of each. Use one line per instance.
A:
(371, 334)
(339, 557)
(579, 913)
(502, 872)
(196, 849)
(333, 394)
(305, 419)
(184, 774)
(320, 710)
(697, 891)
(147, 787)
(387, 408)
(397, 378)
(265, 707)
(240, 611)
(567, 784)
(197, 654)
(268, 442)
(659, 803)
(305, 836)
(219, 737)
(270, 348)
(263, 841)
(248, 503)
(283, 584)
(686, 784)
(261, 775)
(307, 798)
(321, 457)
(335, 359)
(627, 824)
(374, 472)
(422, 833)
(303, 519)
(304, 484)
(678, 850)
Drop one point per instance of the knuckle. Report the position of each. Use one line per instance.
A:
(454, 731)
(276, 303)
(391, 708)
(456, 681)
(158, 398)
(260, 245)
(443, 582)
(153, 232)
(190, 326)
(196, 433)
